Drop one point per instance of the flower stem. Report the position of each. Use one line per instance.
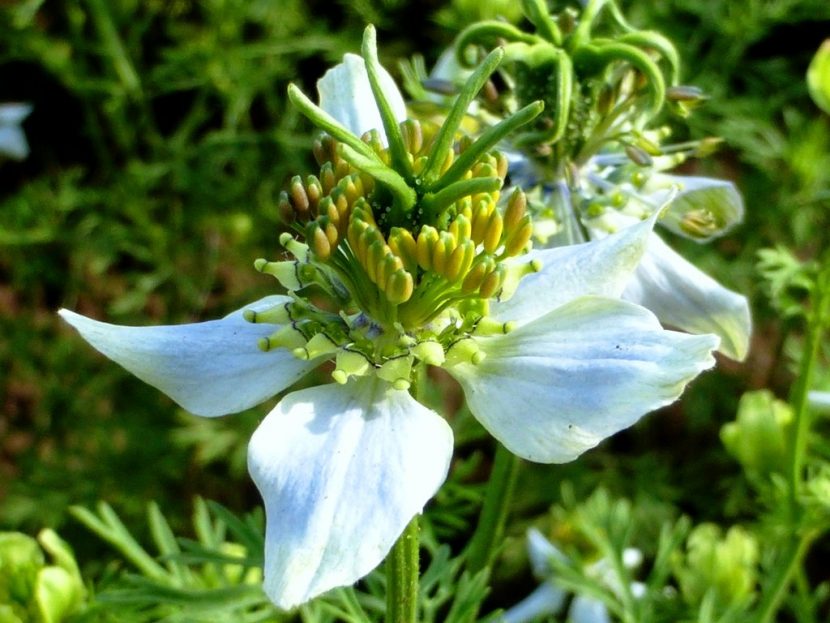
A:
(488, 535)
(402, 571)
(817, 322)
(773, 597)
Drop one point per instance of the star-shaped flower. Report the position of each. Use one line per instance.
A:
(550, 371)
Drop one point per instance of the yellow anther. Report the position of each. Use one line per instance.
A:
(448, 160)
(461, 227)
(285, 209)
(397, 371)
(341, 170)
(413, 137)
(425, 244)
(389, 265)
(444, 246)
(430, 352)
(318, 240)
(492, 235)
(464, 351)
(349, 363)
(399, 287)
(287, 272)
(481, 218)
(327, 178)
(516, 208)
(475, 275)
(418, 164)
(298, 195)
(492, 282)
(484, 169)
(404, 246)
(517, 240)
(460, 261)
(374, 256)
(288, 337)
(314, 191)
(501, 165)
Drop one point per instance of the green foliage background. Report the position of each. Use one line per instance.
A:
(161, 136)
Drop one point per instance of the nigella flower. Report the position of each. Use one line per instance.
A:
(550, 598)
(611, 193)
(413, 263)
(12, 139)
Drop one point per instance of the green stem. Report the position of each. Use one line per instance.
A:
(801, 426)
(778, 586)
(490, 530)
(402, 571)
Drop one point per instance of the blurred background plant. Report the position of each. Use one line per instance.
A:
(160, 137)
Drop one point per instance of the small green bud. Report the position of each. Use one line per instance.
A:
(757, 437)
(723, 566)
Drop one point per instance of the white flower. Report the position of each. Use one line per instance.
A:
(679, 293)
(344, 468)
(12, 139)
(549, 597)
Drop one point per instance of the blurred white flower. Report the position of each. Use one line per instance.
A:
(12, 139)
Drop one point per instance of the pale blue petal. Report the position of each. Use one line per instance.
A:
(345, 93)
(557, 386)
(701, 208)
(684, 297)
(587, 610)
(342, 470)
(209, 368)
(546, 600)
(600, 267)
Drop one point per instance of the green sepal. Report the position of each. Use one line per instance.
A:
(488, 139)
(397, 148)
(326, 122)
(537, 12)
(405, 196)
(488, 33)
(434, 204)
(446, 135)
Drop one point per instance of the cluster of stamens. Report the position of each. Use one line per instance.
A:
(397, 292)
(456, 255)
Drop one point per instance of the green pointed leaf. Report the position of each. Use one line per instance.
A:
(818, 77)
